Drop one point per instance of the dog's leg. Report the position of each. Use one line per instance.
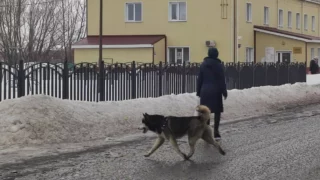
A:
(176, 147)
(192, 144)
(156, 145)
(207, 136)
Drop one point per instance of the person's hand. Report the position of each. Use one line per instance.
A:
(225, 95)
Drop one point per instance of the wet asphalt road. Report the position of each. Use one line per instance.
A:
(283, 146)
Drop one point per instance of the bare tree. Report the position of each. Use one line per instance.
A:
(33, 30)
(73, 24)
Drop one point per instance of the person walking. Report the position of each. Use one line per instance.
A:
(314, 67)
(211, 87)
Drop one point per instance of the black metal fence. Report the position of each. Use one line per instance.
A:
(124, 81)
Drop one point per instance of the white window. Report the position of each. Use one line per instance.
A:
(177, 11)
(305, 22)
(313, 23)
(249, 54)
(178, 55)
(298, 21)
(133, 12)
(266, 16)
(312, 53)
(280, 18)
(249, 12)
(289, 19)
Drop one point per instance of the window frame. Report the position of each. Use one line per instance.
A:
(266, 15)
(305, 22)
(251, 54)
(134, 13)
(170, 11)
(249, 19)
(280, 21)
(289, 19)
(313, 23)
(312, 53)
(298, 21)
(176, 47)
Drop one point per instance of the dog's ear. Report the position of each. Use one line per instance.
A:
(145, 115)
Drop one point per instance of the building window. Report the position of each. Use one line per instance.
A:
(298, 21)
(249, 54)
(313, 23)
(305, 22)
(312, 53)
(266, 16)
(280, 18)
(249, 12)
(177, 11)
(289, 19)
(133, 12)
(178, 55)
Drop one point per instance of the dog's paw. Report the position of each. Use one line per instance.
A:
(146, 155)
(185, 157)
(222, 151)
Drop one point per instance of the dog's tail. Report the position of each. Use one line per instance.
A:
(204, 113)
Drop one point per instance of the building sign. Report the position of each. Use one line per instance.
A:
(297, 50)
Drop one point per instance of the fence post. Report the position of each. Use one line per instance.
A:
(288, 73)
(239, 76)
(305, 71)
(21, 79)
(160, 79)
(184, 77)
(266, 73)
(65, 80)
(133, 80)
(101, 81)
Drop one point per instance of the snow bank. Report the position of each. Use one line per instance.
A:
(45, 120)
(313, 79)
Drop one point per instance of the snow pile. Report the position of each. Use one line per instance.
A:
(313, 79)
(44, 120)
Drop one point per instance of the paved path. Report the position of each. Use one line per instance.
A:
(283, 146)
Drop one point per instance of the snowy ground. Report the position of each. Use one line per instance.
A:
(44, 121)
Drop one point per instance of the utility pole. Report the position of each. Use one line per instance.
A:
(101, 31)
(18, 30)
(64, 30)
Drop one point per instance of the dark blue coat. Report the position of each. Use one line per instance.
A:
(211, 85)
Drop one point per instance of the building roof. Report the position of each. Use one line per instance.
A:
(287, 34)
(119, 41)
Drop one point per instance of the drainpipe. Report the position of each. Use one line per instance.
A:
(235, 32)
(166, 49)
(254, 45)
(306, 46)
(153, 54)
(100, 31)
(302, 18)
(277, 13)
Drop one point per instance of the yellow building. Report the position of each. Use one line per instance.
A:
(182, 30)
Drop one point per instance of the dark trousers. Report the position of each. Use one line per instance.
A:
(217, 117)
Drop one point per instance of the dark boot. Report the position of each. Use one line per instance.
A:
(216, 133)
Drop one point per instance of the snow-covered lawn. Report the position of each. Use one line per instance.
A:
(42, 119)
